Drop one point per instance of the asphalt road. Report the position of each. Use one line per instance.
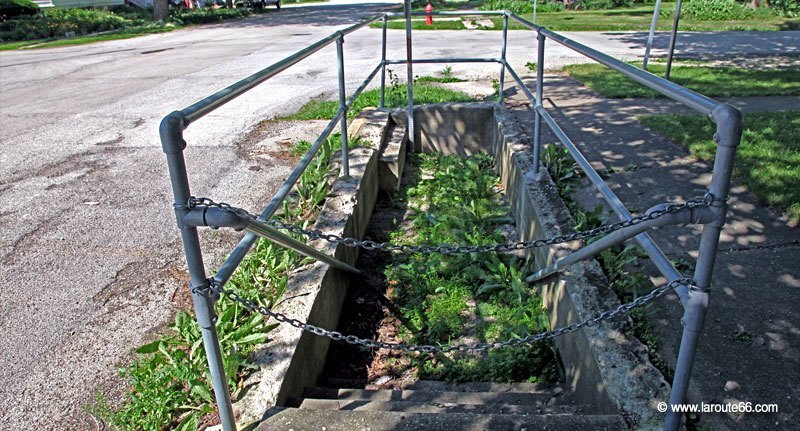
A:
(91, 261)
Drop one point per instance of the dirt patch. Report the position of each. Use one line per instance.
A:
(272, 140)
(369, 313)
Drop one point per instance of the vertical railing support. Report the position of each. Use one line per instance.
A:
(673, 38)
(537, 118)
(503, 58)
(171, 131)
(650, 35)
(343, 106)
(727, 137)
(410, 76)
(383, 65)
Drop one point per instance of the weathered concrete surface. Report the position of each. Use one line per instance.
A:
(453, 128)
(293, 360)
(382, 132)
(748, 351)
(607, 368)
(297, 419)
(393, 157)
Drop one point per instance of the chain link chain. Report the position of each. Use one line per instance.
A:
(213, 286)
(457, 249)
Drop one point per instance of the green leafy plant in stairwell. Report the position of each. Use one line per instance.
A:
(480, 296)
(505, 277)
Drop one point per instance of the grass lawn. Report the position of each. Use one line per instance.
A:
(628, 19)
(49, 28)
(768, 159)
(710, 81)
(425, 91)
(82, 40)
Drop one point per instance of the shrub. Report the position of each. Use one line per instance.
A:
(515, 6)
(522, 6)
(62, 22)
(14, 8)
(603, 4)
(787, 8)
(716, 10)
(206, 15)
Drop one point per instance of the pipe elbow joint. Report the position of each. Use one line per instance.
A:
(171, 132)
(729, 124)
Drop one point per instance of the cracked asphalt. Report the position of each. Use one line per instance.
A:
(89, 253)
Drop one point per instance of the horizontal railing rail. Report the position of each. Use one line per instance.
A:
(674, 91)
(693, 296)
(214, 101)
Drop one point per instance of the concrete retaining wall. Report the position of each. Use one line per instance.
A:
(292, 359)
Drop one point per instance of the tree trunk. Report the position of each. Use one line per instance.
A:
(229, 4)
(160, 10)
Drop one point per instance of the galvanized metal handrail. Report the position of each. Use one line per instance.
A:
(214, 101)
(451, 13)
(728, 134)
(658, 257)
(727, 118)
(447, 60)
(670, 89)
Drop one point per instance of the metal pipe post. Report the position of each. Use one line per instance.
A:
(729, 132)
(537, 117)
(410, 77)
(650, 36)
(383, 64)
(673, 38)
(535, 6)
(343, 106)
(171, 131)
(503, 58)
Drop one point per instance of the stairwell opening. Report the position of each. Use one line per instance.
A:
(604, 381)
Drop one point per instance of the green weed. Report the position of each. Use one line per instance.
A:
(444, 297)
(169, 383)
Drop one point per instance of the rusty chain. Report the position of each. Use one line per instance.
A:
(213, 286)
(450, 248)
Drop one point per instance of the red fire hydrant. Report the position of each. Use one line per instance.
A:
(428, 17)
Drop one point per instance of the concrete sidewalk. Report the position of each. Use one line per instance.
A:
(750, 348)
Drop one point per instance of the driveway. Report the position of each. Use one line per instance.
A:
(90, 254)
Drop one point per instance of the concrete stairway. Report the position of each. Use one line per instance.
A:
(427, 405)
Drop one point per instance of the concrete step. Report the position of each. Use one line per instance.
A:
(489, 398)
(430, 385)
(332, 382)
(437, 407)
(338, 420)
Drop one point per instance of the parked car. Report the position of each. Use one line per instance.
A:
(257, 4)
